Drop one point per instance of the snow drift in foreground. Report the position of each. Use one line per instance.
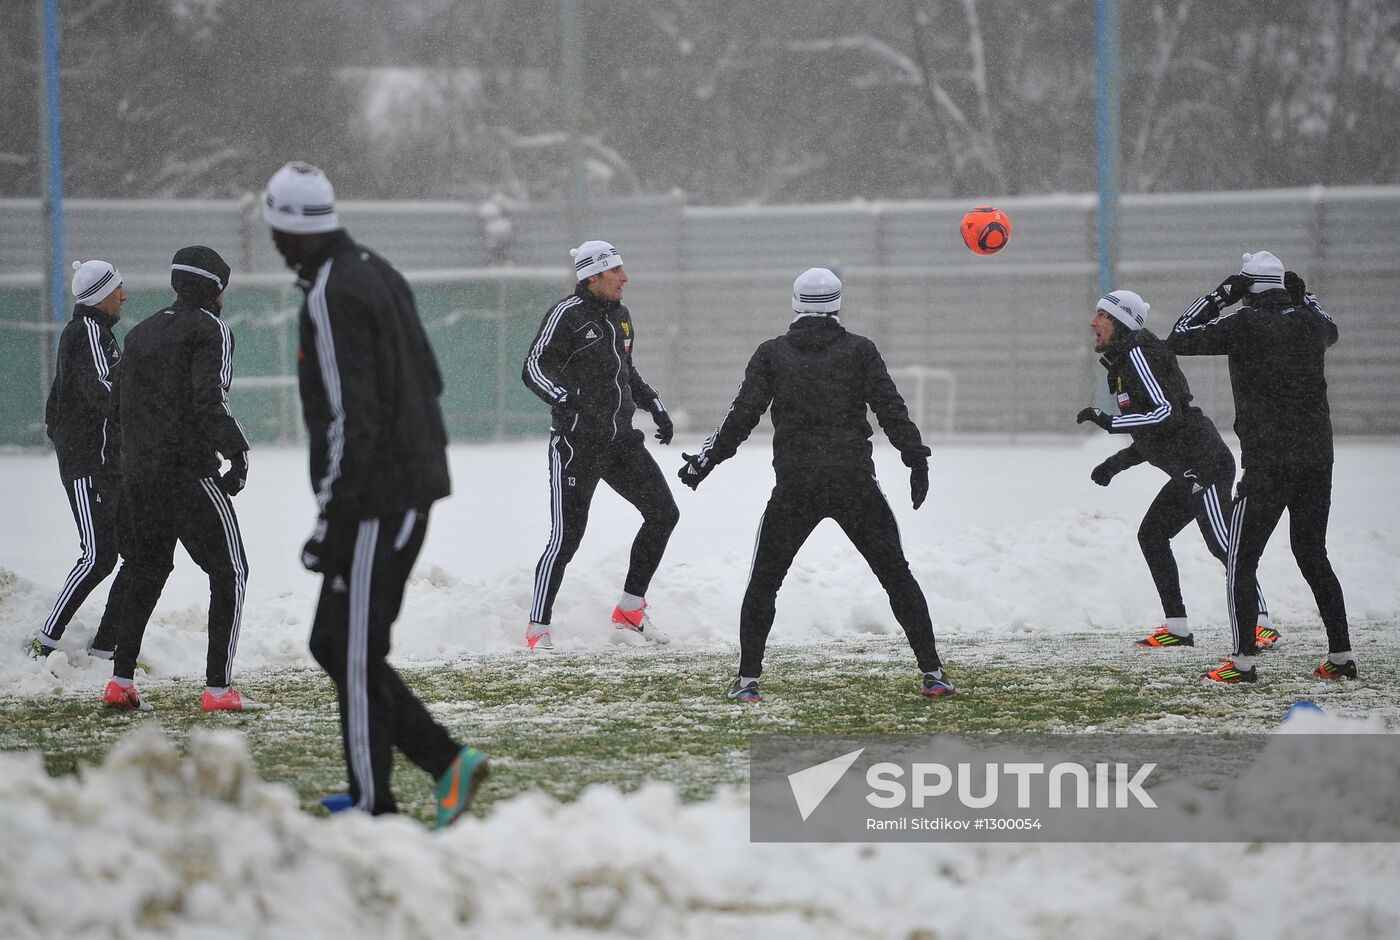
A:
(150, 845)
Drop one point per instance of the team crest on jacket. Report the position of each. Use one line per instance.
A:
(1124, 401)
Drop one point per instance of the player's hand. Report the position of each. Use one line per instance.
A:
(1297, 290)
(665, 429)
(695, 469)
(329, 547)
(1231, 291)
(1096, 415)
(1102, 474)
(571, 404)
(918, 484)
(236, 476)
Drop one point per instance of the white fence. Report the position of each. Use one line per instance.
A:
(1010, 332)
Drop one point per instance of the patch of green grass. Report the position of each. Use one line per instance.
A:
(623, 716)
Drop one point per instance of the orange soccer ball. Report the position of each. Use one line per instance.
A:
(986, 230)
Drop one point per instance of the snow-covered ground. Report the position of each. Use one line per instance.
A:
(1015, 539)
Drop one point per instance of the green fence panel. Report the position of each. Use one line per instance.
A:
(22, 371)
(480, 329)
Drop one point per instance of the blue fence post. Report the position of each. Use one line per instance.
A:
(53, 153)
(1108, 75)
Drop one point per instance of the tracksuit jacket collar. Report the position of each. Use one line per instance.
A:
(185, 305)
(608, 306)
(92, 313)
(334, 242)
(815, 332)
(1275, 299)
(1118, 347)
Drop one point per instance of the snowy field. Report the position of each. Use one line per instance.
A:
(1015, 548)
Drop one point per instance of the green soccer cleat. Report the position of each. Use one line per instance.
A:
(458, 785)
(36, 648)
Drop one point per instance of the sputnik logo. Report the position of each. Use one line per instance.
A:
(811, 786)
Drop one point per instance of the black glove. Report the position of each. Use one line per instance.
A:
(570, 406)
(918, 484)
(1096, 415)
(330, 546)
(1297, 290)
(695, 469)
(1103, 473)
(664, 427)
(1231, 291)
(236, 476)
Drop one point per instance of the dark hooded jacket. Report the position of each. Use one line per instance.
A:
(819, 380)
(171, 395)
(1276, 349)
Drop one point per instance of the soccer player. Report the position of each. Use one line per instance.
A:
(1276, 344)
(580, 364)
(819, 380)
(172, 405)
(369, 393)
(1173, 435)
(88, 451)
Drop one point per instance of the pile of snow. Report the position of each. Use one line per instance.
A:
(1013, 538)
(151, 845)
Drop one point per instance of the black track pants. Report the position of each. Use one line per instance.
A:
(199, 515)
(350, 638)
(96, 502)
(575, 468)
(851, 497)
(1305, 490)
(1175, 506)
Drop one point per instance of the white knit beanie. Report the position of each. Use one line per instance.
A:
(1263, 269)
(1126, 307)
(94, 280)
(816, 290)
(301, 200)
(594, 257)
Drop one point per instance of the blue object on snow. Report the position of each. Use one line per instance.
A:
(1302, 705)
(337, 802)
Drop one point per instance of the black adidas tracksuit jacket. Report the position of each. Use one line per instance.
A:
(1154, 404)
(89, 449)
(580, 364)
(370, 385)
(1173, 435)
(172, 404)
(80, 398)
(1277, 349)
(820, 380)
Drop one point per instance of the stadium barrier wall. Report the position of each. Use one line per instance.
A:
(708, 284)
